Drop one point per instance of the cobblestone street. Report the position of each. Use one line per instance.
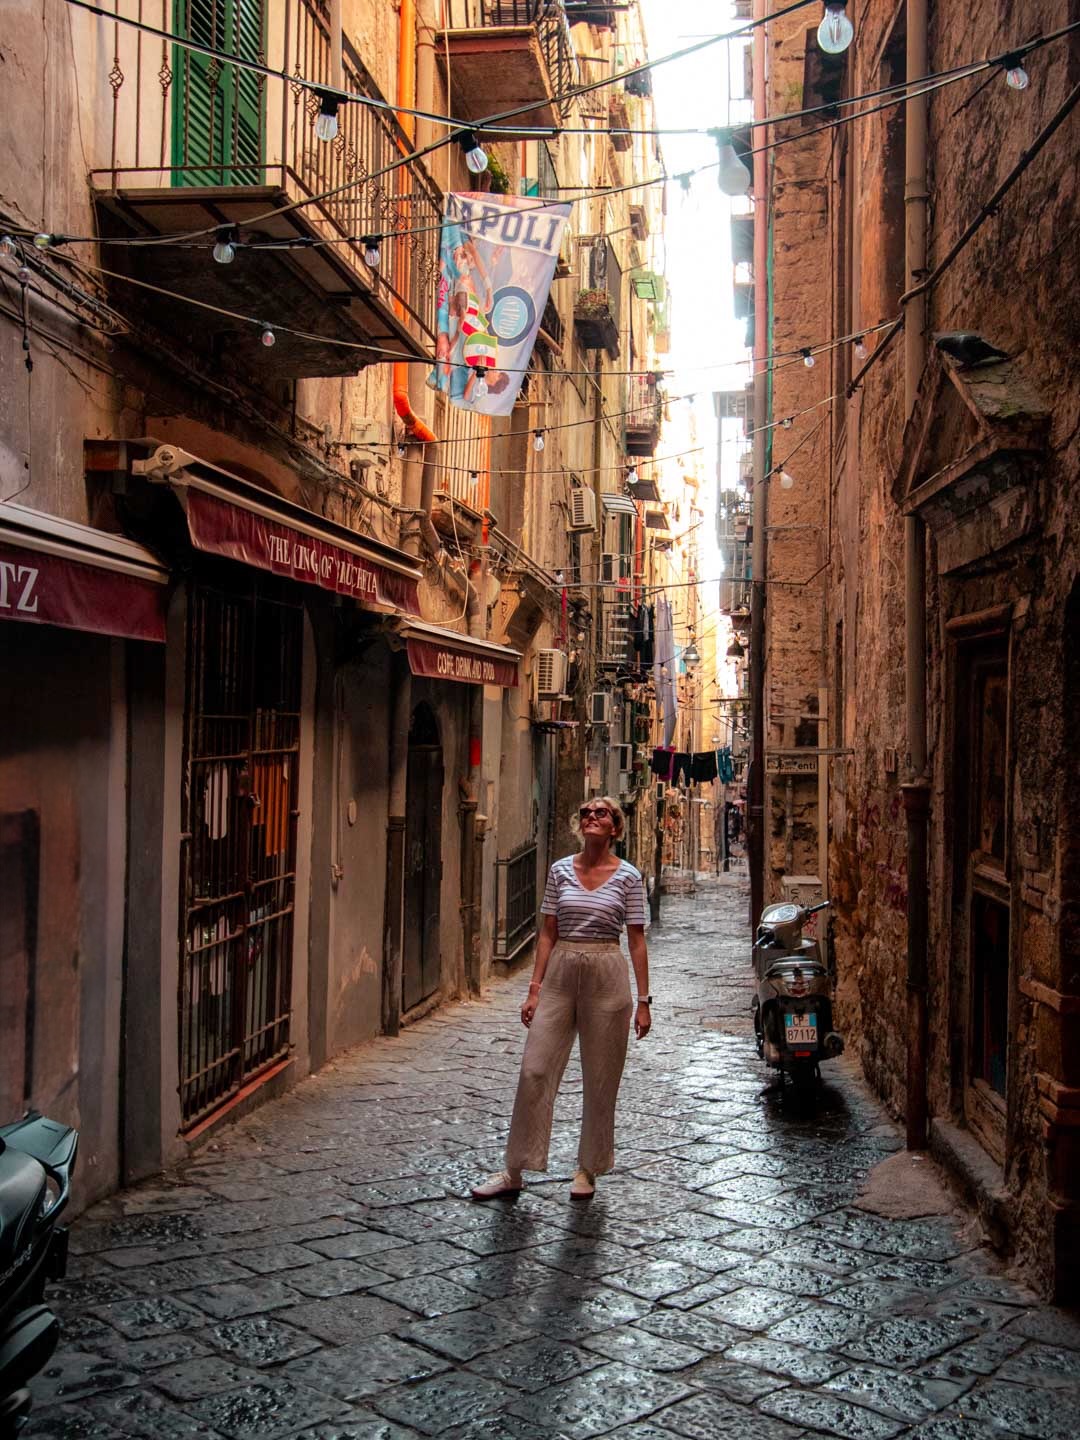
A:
(320, 1270)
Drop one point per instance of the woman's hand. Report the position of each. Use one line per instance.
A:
(528, 1009)
(642, 1020)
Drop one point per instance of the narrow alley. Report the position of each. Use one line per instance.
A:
(319, 1271)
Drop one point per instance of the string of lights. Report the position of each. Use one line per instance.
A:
(734, 176)
(337, 96)
(475, 157)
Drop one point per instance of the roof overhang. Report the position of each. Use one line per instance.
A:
(438, 653)
(233, 517)
(57, 572)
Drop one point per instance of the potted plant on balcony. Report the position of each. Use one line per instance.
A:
(594, 321)
(639, 82)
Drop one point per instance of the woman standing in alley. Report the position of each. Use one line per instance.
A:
(580, 987)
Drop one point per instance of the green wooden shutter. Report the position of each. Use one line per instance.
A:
(218, 110)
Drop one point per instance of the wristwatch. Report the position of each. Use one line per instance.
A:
(645, 1000)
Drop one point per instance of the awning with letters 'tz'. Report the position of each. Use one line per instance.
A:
(230, 516)
(441, 654)
(57, 572)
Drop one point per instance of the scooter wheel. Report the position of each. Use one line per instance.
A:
(802, 1079)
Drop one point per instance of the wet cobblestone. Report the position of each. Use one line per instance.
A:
(319, 1273)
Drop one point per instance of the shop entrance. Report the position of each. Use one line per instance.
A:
(238, 836)
(423, 860)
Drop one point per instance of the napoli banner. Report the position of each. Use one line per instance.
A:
(497, 256)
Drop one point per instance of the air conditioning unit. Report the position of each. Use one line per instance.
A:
(613, 568)
(582, 508)
(550, 674)
(600, 707)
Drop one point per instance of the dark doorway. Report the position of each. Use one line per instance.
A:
(982, 859)
(421, 959)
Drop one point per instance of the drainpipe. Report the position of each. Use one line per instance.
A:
(916, 788)
(755, 785)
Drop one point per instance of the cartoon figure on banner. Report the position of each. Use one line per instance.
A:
(486, 313)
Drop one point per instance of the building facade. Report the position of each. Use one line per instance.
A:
(918, 587)
(304, 655)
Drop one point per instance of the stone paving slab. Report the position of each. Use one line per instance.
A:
(319, 1272)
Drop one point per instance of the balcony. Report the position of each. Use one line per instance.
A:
(192, 144)
(644, 405)
(733, 520)
(597, 305)
(593, 12)
(505, 54)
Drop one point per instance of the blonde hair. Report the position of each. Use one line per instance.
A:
(617, 816)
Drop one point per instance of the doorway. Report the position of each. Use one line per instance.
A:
(421, 950)
(982, 859)
(238, 836)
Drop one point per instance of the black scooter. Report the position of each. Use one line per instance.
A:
(792, 1004)
(37, 1157)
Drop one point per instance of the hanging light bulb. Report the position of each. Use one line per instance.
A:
(560, 578)
(401, 452)
(481, 388)
(224, 251)
(538, 440)
(475, 154)
(23, 275)
(860, 348)
(808, 358)
(787, 422)
(8, 247)
(632, 475)
(787, 480)
(732, 175)
(474, 477)
(326, 122)
(43, 241)
(1016, 77)
(371, 251)
(267, 336)
(836, 32)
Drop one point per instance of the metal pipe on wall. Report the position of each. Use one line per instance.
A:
(916, 789)
(755, 786)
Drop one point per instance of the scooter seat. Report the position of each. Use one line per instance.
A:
(22, 1190)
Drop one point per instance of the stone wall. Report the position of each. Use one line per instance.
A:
(1016, 285)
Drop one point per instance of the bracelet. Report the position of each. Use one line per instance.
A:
(534, 985)
(645, 1000)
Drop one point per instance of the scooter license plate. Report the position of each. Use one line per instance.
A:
(801, 1029)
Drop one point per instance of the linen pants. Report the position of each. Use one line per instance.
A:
(585, 991)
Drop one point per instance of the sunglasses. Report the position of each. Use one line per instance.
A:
(595, 812)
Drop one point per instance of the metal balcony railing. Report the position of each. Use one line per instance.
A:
(191, 122)
(515, 902)
(552, 31)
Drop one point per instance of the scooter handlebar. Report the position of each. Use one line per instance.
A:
(823, 905)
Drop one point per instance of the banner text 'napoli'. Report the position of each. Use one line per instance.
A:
(497, 256)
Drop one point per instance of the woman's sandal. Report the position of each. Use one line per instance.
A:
(584, 1186)
(496, 1187)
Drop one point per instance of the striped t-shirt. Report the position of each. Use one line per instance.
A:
(594, 914)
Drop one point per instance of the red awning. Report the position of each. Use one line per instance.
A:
(442, 654)
(230, 516)
(55, 572)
